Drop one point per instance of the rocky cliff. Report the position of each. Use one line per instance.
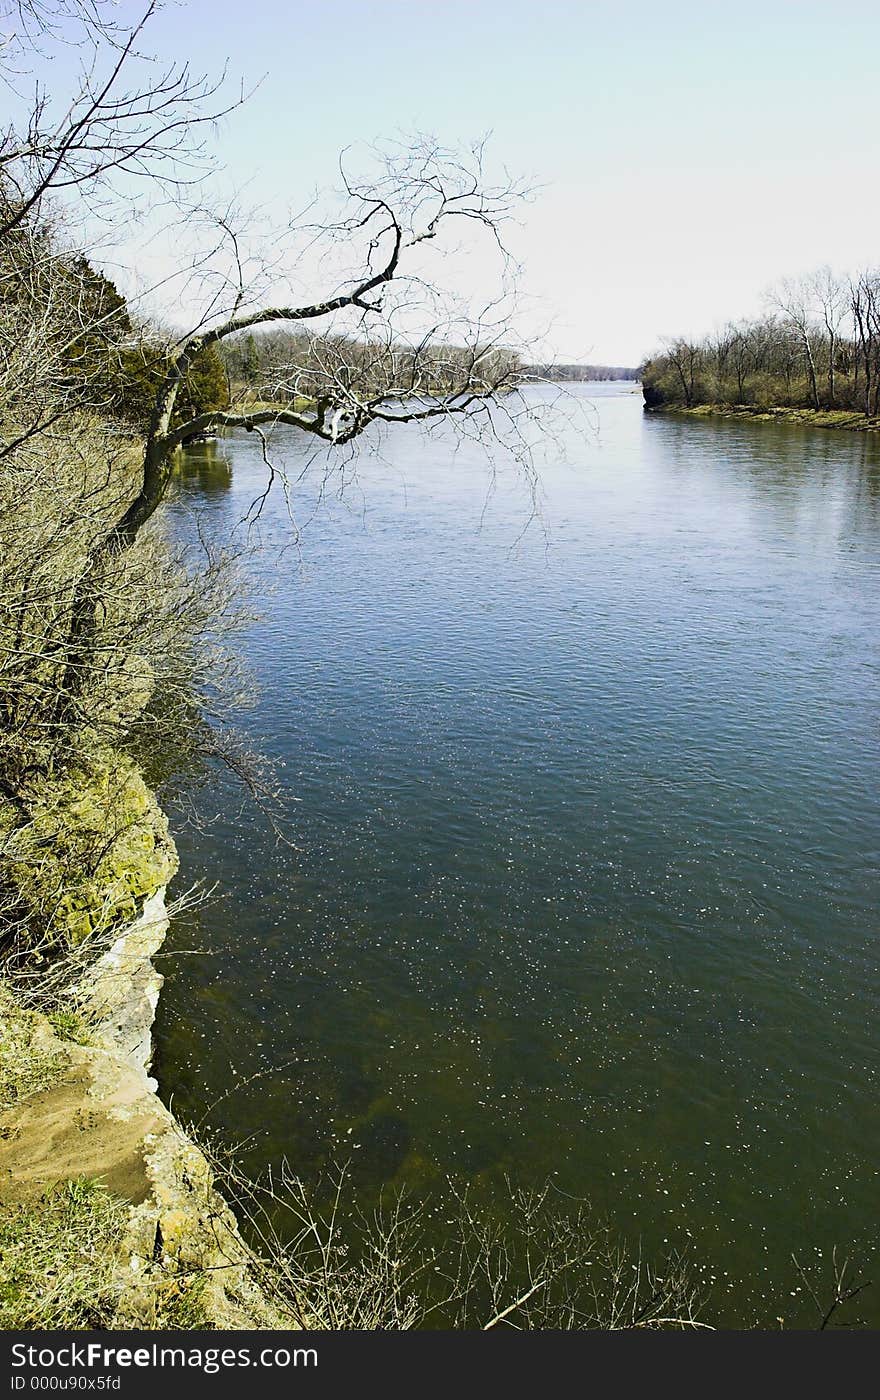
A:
(87, 1110)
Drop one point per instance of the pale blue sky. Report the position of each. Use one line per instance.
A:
(690, 153)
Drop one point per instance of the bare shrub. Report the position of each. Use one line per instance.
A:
(533, 1259)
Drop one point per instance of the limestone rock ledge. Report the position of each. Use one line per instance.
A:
(99, 1116)
(120, 992)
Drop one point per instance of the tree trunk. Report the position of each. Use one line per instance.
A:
(811, 368)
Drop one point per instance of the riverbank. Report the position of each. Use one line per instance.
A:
(802, 417)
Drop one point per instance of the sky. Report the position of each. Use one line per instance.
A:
(687, 154)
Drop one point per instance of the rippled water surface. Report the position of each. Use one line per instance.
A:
(588, 835)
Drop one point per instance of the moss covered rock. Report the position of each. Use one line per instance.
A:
(84, 850)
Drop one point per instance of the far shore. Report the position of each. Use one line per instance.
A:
(804, 417)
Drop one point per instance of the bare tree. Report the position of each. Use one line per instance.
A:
(393, 345)
(830, 295)
(794, 298)
(685, 357)
(126, 120)
(864, 293)
(404, 377)
(742, 357)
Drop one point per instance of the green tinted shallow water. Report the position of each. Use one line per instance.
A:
(588, 833)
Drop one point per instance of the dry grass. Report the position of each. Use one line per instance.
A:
(59, 1259)
(26, 1063)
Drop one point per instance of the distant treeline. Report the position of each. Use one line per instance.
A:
(283, 365)
(817, 347)
(561, 373)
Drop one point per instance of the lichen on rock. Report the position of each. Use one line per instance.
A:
(82, 851)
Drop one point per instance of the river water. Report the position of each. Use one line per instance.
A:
(587, 835)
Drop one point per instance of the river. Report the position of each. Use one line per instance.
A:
(587, 835)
